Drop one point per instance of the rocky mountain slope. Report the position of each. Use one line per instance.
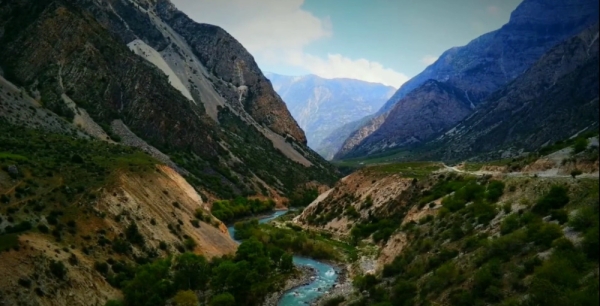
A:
(323, 105)
(78, 213)
(423, 114)
(120, 123)
(61, 51)
(466, 236)
(496, 58)
(555, 99)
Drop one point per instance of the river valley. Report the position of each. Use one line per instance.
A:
(325, 278)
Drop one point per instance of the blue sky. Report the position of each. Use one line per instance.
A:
(385, 41)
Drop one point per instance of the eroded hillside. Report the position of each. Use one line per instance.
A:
(77, 213)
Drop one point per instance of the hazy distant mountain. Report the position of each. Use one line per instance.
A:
(320, 106)
(483, 66)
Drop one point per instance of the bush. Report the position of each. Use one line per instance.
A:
(133, 235)
(58, 269)
(510, 224)
(580, 145)
(43, 229)
(101, 267)
(494, 191)
(576, 172)
(223, 299)
(556, 198)
(544, 234)
(190, 244)
(590, 243)
(585, 218)
(186, 298)
(559, 215)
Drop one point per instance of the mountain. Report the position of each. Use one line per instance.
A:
(494, 59)
(320, 106)
(424, 113)
(553, 100)
(474, 234)
(220, 136)
(121, 123)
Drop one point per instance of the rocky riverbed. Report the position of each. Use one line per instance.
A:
(304, 277)
(343, 286)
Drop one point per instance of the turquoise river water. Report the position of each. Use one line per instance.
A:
(304, 295)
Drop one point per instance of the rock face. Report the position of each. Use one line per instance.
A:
(496, 58)
(323, 105)
(555, 99)
(366, 193)
(227, 59)
(425, 112)
(228, 136)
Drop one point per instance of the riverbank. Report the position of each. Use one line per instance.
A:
(343, 286)
(306, 275)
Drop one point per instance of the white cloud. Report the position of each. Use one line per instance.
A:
(261, 24)
(277, 31)
(338, 66)
(429, 59)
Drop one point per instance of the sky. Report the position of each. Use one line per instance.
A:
(382, 41)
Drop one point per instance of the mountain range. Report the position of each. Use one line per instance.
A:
(321, 106)
(122, 122)
(188, 89)
(474, 72)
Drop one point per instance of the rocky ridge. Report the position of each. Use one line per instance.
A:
(493, 60)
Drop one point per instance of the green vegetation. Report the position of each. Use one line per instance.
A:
(228, 211)
(8, 242)
(308, 244)
(245, 279)
(229, 179)
(47, 175)
(303, 198)
(530, 263)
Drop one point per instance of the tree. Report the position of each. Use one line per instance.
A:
(287, 262)
(150, 286)
(191, 272)
(580, 145)
(186, 298)
(224, 299)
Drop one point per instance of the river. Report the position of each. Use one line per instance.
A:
(324, 280)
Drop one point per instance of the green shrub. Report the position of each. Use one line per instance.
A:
(556, 198)
(494, 191)
(510, 224)
(559, 215)
(580, 145)
(223, 299)
(584, 218)
(590, 243)
(101, 267)
(133, 234)
(58, 269)
(544, 234)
